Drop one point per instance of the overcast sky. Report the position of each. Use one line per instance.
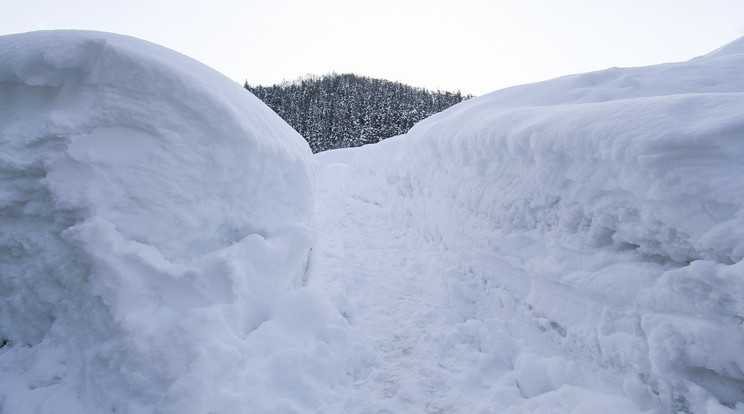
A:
(476, 46)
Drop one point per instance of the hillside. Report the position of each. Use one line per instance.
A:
(346, 110)
(170, 245)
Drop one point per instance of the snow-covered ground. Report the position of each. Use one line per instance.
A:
(610, 205)
(169, 245)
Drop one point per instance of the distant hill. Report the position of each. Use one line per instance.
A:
(346, 110)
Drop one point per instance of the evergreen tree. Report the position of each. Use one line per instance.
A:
(337, 111)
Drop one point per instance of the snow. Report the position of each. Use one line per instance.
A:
(151, 209)
(170, 245)
(609, 206)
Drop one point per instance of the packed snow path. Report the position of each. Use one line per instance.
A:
(399, 304)
(429, 349)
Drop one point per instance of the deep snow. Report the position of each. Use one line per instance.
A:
(609, 204)
(573, 245)
(151, 210)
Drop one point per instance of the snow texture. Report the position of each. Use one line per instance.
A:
(166, 246)
(608, 205)
(151, 209)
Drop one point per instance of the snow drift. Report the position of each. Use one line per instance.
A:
(619, 197)
(150, 210)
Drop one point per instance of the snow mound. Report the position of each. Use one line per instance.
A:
(150, 209)
(733, 48)
(609, 205)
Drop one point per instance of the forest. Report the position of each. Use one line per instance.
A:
(347, 110)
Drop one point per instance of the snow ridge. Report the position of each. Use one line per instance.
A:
(151, 209)
(614, 190)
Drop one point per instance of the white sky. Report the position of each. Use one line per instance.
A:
(475, 46)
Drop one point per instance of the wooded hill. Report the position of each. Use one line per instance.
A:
(346, 110)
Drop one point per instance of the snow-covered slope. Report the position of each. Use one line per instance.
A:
(608, 205)
(151, 208)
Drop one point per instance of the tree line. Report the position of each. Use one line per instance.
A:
(347, 110)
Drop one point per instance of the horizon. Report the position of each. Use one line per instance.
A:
(310, 76)
(475, 47)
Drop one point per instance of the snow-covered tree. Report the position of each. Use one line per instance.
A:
(346, 110)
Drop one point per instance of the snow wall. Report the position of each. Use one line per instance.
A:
(620, 195)
(150, 208)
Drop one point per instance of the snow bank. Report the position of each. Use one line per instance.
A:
(150, 210)
(619, 196)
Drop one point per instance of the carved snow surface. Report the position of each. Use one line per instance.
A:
(166, 246)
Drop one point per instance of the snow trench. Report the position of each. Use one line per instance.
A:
(166, 245)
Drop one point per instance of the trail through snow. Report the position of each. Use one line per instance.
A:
(430, 350)
(169, 245)
(399, 305)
